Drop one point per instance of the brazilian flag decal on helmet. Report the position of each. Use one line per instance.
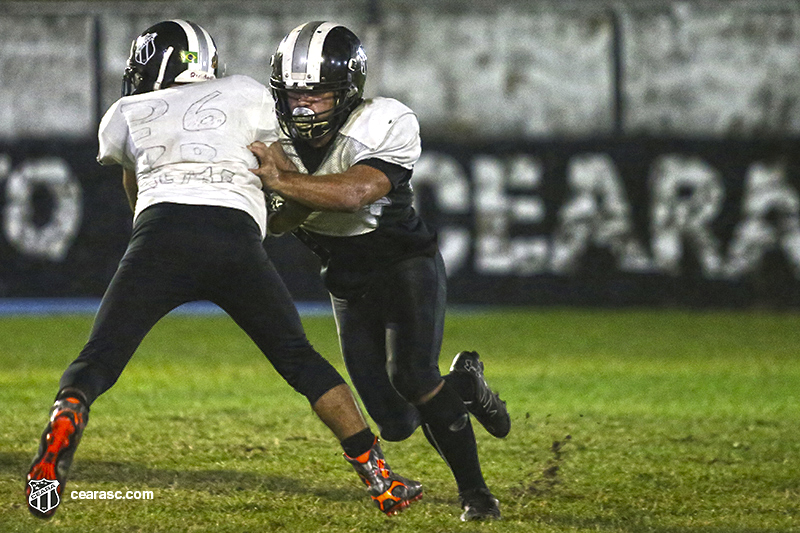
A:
(188, 57)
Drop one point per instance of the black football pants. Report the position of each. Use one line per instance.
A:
(183, 253)
(391, 338)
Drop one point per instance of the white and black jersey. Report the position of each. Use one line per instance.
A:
(382, 133)
(188, 143)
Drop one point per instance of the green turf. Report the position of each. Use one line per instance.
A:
(635, 421)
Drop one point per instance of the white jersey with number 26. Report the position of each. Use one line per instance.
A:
(188, 143)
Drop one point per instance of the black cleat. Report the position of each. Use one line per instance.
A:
(390, 492)
(48, 472)
(486, 406)
(479, 504)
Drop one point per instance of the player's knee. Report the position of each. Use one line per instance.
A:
(397, 432)
(395, 421)
(309, 373)
(413, 385)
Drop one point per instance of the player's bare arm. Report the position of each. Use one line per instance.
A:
(348, 191)
(131, 188)
(288, 217)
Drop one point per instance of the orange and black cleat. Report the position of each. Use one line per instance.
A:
(48, 473)
(390, 492)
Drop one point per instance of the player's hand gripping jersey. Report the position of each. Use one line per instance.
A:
(382, 133)
(188, 143)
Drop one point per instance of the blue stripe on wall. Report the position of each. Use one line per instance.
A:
(61, 306)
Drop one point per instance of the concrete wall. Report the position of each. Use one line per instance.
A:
(472, 70)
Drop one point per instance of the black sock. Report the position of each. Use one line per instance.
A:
(357, 444)
(72, 393)
(448, 428)
(462, 384)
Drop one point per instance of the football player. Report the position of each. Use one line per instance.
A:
(180, 133)
(341, 171)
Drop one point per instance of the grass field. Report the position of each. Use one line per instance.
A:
(635, 421)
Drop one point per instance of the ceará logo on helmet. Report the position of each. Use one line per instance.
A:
(145, 48)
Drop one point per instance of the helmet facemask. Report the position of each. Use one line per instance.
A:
(303, 124)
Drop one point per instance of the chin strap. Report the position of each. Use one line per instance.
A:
(163, 69)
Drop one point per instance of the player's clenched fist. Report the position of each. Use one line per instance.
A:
(272, 161)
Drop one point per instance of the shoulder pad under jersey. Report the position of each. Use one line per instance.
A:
(371, 121)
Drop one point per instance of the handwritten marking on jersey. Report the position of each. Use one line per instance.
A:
(197, 118)
(167, 177)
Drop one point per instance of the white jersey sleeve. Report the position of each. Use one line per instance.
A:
(385, 129)
(112, 139)
(267, 127)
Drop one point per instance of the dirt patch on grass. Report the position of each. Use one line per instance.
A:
(546, 480)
